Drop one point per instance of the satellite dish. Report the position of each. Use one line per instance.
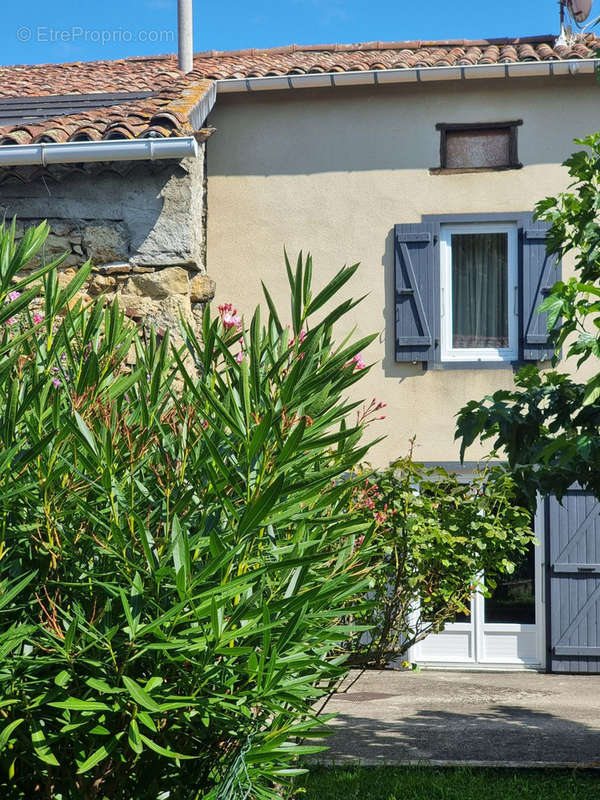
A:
(579, 9)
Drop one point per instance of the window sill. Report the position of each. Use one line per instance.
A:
(465, 170)
(470, 365)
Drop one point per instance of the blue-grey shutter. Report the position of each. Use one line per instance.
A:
(573, 546)
(539, 273)
(417, 291)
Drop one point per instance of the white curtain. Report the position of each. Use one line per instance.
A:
(480, 290)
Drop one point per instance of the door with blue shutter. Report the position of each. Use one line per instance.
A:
(539, 272)
(417, 293)
(573, 548)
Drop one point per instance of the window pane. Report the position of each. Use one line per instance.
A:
(464, 617)
(513, 599)
(429, 612)
(479, 290)
(483, 148)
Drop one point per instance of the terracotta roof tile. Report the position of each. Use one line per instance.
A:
(167, 111)
(161, 72)
(294, 59)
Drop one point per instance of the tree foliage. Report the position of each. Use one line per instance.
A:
(176, 563)
(549, 425)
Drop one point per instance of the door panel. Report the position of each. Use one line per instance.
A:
(506, 647)
(454, 645)
(573, 533)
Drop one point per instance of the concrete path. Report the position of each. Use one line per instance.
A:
(513, 718)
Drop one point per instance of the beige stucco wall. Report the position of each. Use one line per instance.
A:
(332, 171)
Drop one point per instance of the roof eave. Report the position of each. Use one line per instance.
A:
(522, 69)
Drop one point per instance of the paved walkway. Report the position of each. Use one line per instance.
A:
(522, 719)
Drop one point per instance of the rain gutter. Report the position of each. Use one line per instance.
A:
(521, 69)
(43, 154)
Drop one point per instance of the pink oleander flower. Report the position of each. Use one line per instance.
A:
(301, 338)
(358, 361)
(231, 320)
(11, 320)
(230, 317)
(240, 357)
(55, 381)
(37, 318)
(13, 296)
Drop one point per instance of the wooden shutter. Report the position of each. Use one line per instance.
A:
(573, 546)
(539, 273)
(417, 291)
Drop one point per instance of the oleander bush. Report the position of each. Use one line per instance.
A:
(176, 561)
(436, 536)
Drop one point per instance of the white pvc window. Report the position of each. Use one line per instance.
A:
(479, 292)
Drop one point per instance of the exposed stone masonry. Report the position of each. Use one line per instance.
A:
(152, 295)
(143, 232)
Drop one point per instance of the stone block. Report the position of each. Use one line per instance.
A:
(65, 276)
(61, 228)
(162, 283)
(57, 244)
(100, 284)
(106, 242)
(113, 269)
(202, 289)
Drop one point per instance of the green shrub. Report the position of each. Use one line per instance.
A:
(436, 534)
(175, 558)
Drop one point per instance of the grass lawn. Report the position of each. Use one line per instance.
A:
(432, 783)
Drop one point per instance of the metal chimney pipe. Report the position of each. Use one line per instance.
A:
(185, 33)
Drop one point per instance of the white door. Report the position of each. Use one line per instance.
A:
(504, 631)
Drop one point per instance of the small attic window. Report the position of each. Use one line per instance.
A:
(478, 146)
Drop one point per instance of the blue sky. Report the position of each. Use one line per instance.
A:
(37, 31)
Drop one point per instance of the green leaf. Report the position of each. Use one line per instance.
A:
(260, 506)
(332, 288)
(8, 595)
(40, 746)
(6, 731)
(139, 695)
(63, 678)
(163, 751)
(134, 738)
(77, 704)
(85, 432)
(592, 391)
(98, 755)
(181, 550)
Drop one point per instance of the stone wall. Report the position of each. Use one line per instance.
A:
(140, 224)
